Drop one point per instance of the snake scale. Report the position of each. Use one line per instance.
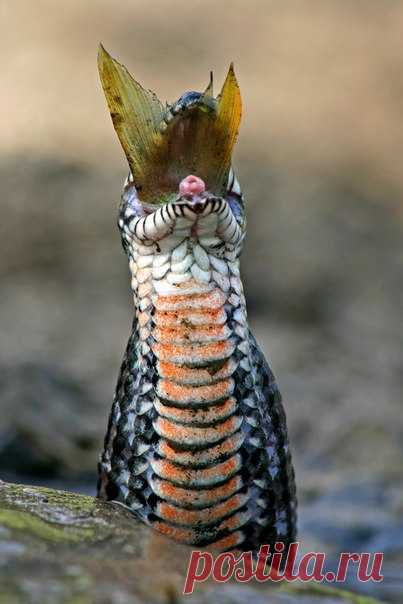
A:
(196, 444)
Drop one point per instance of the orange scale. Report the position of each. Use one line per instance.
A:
(193, 478)
(187, 435)
(179, 393)
(196, 316)
(207, 456)
(229, 542)
(235, 521)
(211, 300)
(205, 516)
(195, 375)
(194, 354)
(192, 416)
(173, 532)
(187, 332)
(193, 497)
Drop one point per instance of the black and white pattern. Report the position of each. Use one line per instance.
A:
(192, 249)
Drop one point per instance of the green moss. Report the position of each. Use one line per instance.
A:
(17, 596)
(27, 522)
(71, 501)
(9, 598)
(316, 589)
(79, 600)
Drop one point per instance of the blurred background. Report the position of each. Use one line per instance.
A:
(319, 159)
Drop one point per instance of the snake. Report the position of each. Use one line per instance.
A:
(196, 444)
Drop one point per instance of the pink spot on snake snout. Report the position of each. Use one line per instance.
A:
(192, 185)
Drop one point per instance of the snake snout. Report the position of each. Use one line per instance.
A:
(192, 185)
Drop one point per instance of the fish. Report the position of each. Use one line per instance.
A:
(196, 444)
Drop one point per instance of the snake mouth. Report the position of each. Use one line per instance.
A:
(165, 145)
(190, 203)
(209, 219)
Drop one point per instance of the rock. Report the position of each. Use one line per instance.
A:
(62, 548)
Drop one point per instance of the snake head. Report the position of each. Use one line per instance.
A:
(174, 147)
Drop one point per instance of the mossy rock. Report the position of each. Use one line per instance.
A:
(64, 548)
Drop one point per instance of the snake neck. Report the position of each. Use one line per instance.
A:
(190, 323)
(197, 443)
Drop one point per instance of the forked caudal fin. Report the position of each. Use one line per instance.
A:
(161, 152)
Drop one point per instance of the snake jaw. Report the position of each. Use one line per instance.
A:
(163, 146)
